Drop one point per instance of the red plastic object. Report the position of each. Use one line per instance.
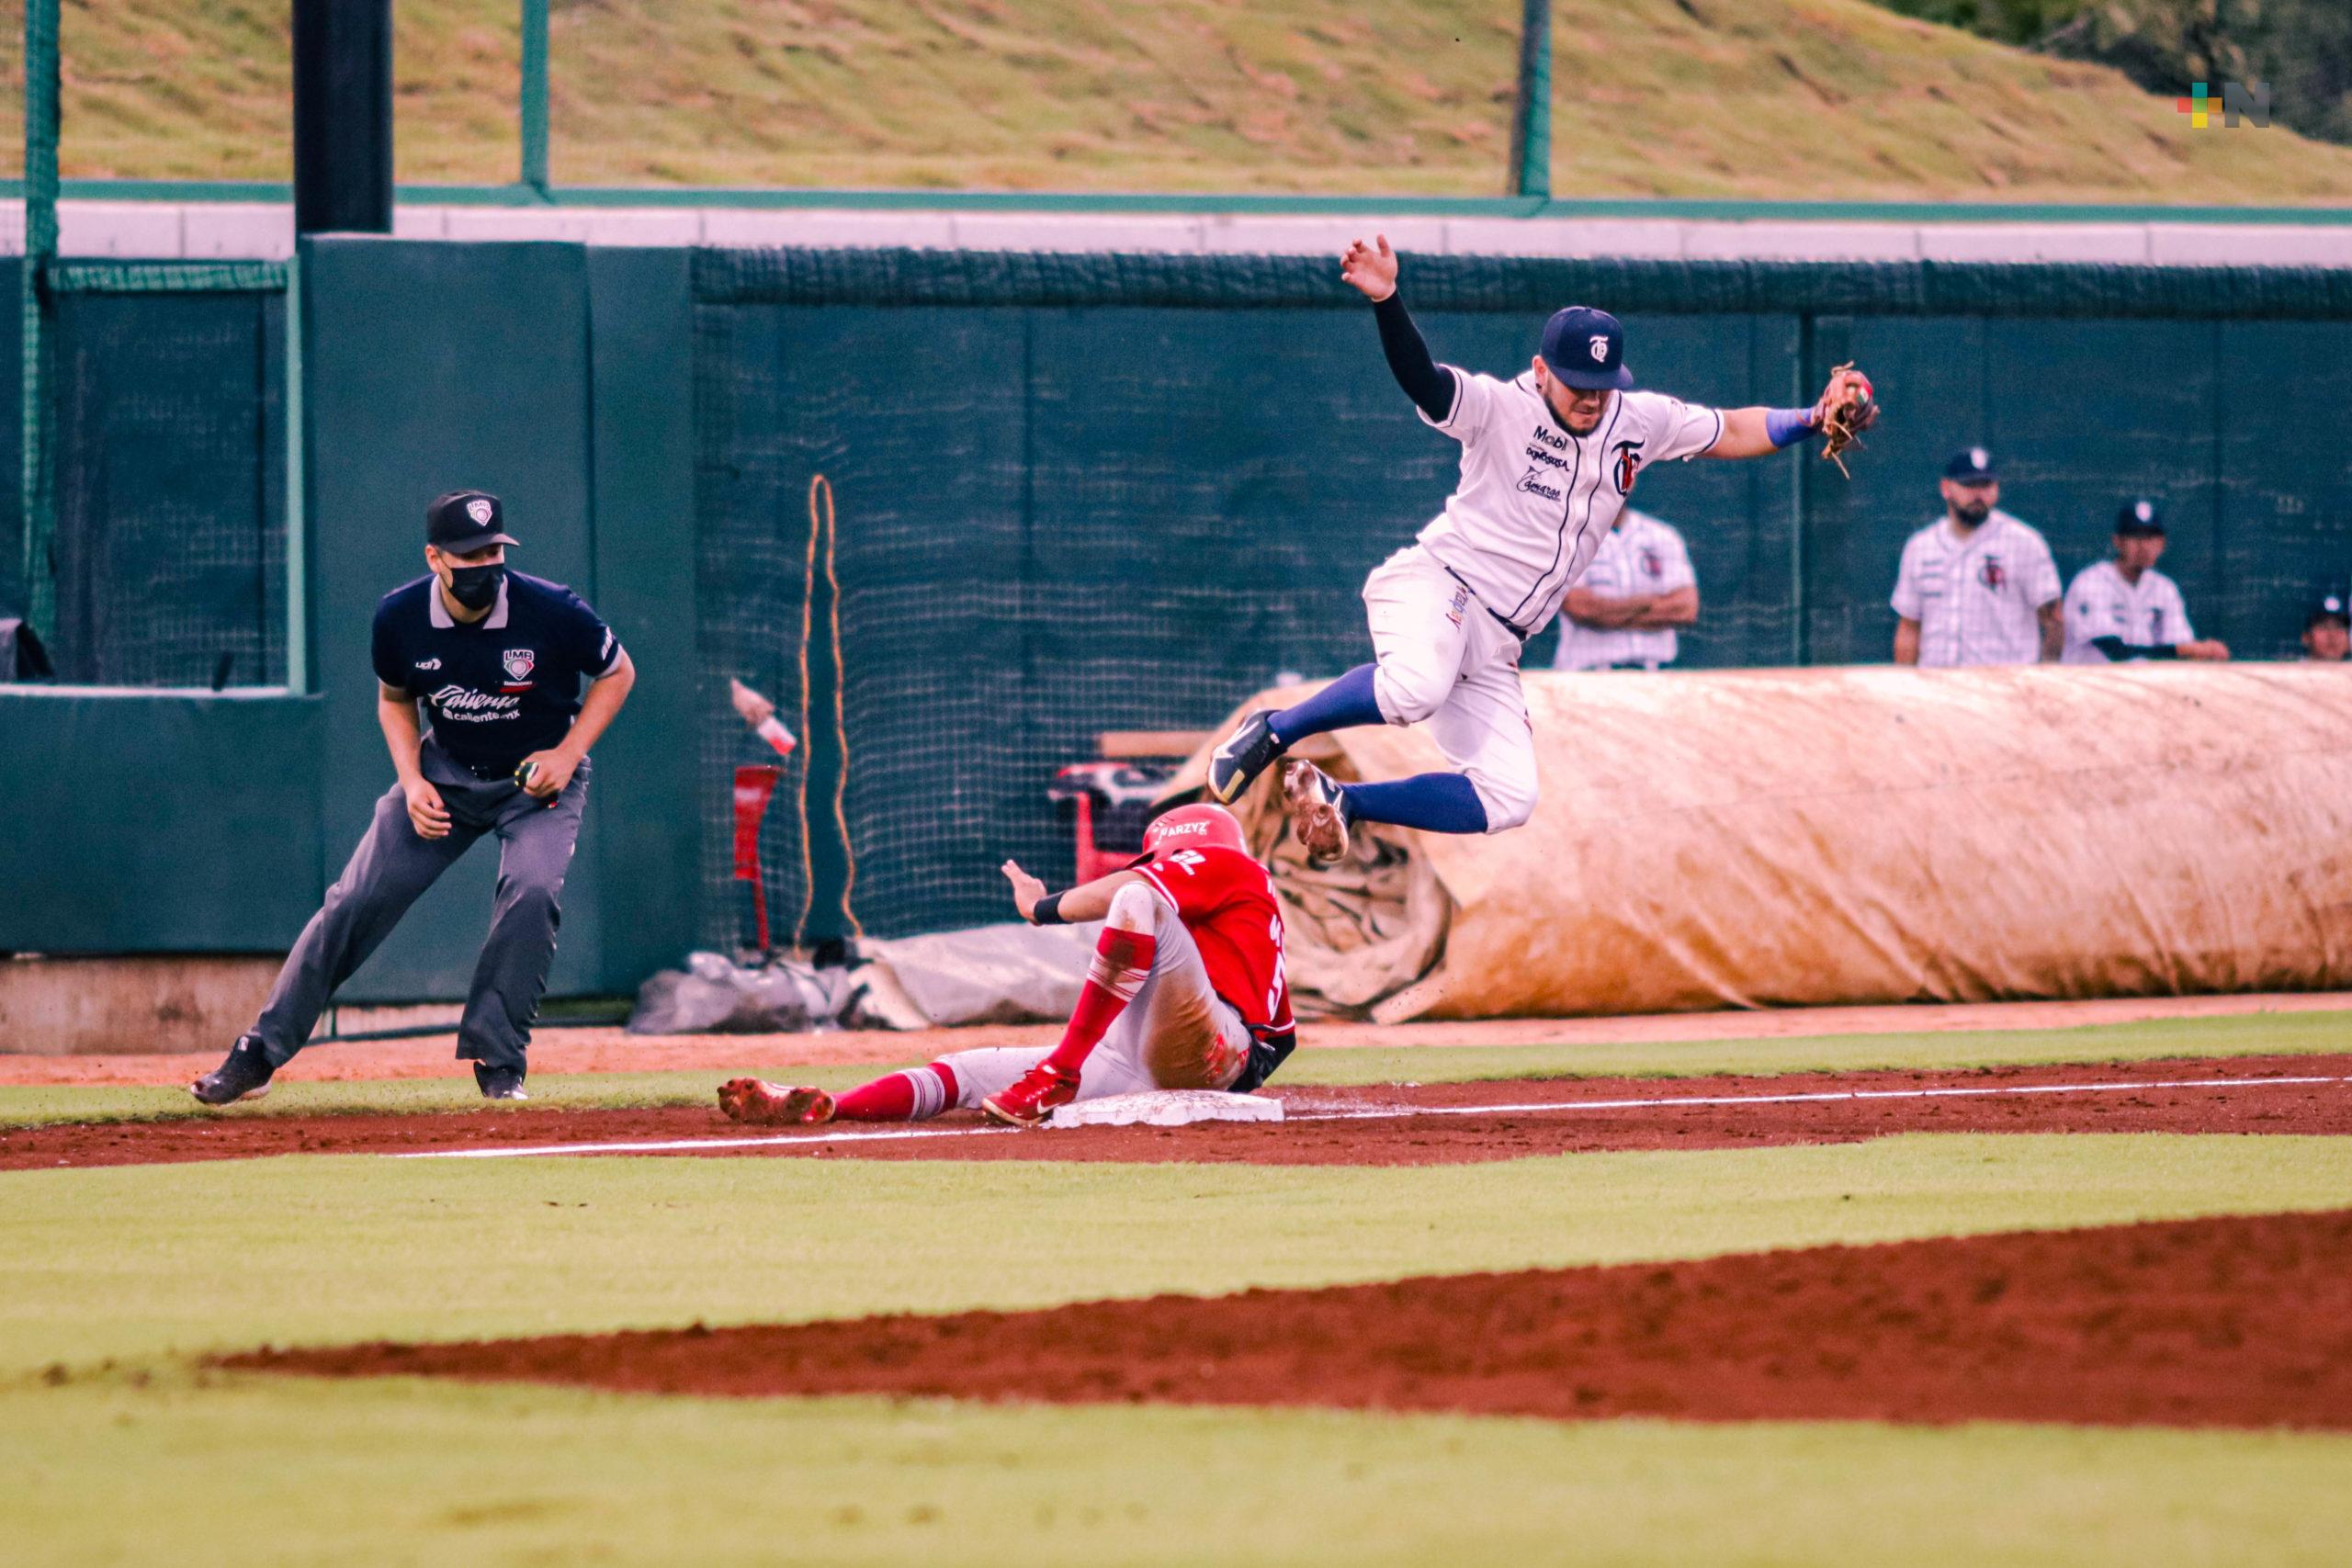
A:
(755, 786)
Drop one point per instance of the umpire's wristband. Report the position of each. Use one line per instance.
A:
(1047, 911)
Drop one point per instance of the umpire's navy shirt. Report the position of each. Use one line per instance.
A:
(506, 685)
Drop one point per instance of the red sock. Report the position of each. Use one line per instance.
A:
(915, 1095)
(1121, 960)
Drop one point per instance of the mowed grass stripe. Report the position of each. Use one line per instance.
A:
(405, 1471)
(2247, 1034)
(142, 1261)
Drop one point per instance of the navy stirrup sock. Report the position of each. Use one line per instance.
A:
(1437, 803)
(1346, 703)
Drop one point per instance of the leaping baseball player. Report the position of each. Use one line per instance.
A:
(1548, 460)
(1185, 990)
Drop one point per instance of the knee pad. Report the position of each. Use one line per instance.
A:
(1408, 697)
(1133, 909)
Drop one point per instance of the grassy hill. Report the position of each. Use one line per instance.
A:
(1767, 98)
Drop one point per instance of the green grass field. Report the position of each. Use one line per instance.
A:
(119, 1447)
(1764, 98)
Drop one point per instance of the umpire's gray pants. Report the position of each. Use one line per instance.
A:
(390, 870)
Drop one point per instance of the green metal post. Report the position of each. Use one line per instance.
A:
(39, 490)
(534, 94)
(297, 511)
(1530, 131)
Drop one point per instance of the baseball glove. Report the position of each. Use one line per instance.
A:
(1847, 407)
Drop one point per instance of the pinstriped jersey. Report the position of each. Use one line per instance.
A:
(1640, 556)
(2102, 602)
(1534, 501)
(1975, 598)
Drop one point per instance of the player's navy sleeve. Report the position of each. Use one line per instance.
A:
(383, 652)
(1428, 383)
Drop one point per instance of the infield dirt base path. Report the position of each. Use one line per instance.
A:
(603, 1050)
(1411, 1125)
(2237, 1322)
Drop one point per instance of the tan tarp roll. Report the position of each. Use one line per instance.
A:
(1821, 837)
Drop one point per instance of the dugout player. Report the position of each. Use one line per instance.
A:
(1548, 460)
(1185, 990)
(497, 658)
(2327, 631)
(2125, 608)
(1639, 587)
(1976, 586)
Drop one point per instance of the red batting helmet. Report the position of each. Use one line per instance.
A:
(1189, 827)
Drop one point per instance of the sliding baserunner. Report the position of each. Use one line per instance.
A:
(1547, 462)
(1185, 990)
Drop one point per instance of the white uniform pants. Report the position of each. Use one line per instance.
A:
(1176, 1034)
(1444, 660)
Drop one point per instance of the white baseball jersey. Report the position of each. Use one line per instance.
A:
(1975, 599)
(1534, 503)
(1639, 556)
(2099, 602)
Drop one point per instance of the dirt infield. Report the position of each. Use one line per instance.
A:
(2237, 1322)
(1414, 1124)
(617, 1051)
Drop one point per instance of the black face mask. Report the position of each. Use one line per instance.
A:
(476, 587)
(1971, 512)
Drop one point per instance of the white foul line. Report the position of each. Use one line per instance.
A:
(677, 1145)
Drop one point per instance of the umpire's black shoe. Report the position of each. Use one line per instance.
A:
(245, 1076)
(500, 1083)
(1242, 756)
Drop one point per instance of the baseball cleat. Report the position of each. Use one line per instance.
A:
(1242, 756)
(500, 1083)
(774, 1105)
(245, 1076)
(1032, 1099)
(1318, 811)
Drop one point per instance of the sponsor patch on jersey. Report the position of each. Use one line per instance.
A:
(1533, 482)
(1461, 603)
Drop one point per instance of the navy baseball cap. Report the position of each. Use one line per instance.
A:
(2329, 609)
(1585, 348)
(1973, 467)
(2140, 520)
(465, 520)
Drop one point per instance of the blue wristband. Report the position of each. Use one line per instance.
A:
(1785, 427)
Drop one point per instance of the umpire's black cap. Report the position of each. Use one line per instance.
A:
(465, 520)
(2140, 520)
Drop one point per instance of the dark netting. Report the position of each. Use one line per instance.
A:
(171, 511)
(1083, 493)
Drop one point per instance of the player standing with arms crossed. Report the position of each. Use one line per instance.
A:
(1547, 462)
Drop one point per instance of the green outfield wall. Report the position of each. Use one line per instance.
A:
(1083, 492)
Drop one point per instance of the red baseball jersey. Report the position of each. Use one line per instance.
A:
(1227, 901)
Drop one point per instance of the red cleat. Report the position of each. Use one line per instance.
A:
(1031, 1101)
(774, 1105)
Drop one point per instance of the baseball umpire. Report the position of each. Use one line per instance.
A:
(497, 658)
